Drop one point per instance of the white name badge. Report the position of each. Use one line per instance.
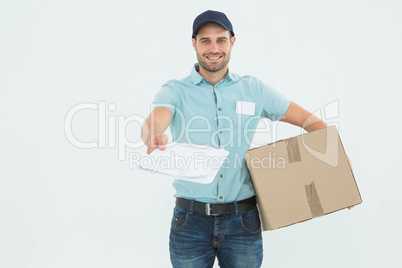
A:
(245, 107)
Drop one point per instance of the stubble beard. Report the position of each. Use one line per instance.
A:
(214, 68)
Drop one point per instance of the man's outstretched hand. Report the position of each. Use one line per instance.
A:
(157, 140)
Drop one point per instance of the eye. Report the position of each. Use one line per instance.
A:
(204, 41)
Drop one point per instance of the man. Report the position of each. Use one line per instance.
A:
(215, 107)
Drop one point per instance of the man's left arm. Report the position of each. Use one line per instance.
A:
(298, 116)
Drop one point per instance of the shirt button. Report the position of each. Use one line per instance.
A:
(220, 131)
(219, 109)
(220, 197)
(216, 86)
(221, 176)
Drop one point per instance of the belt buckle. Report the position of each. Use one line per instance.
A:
(208, 210)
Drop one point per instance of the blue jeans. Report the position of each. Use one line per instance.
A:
(235, 239)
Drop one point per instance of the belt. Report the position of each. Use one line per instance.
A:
(214, 209)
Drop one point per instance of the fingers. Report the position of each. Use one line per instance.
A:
(158, 141)
(161, 141)
(350, 163)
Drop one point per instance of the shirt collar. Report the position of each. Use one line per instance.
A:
(197, 78)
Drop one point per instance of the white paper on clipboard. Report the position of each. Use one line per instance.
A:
(184, 161)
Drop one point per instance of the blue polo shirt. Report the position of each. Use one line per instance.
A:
(223, 115)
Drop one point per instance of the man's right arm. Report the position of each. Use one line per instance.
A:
(152, 131)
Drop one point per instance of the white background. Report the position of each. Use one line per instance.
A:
(62, 206)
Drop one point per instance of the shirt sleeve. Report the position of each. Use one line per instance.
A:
(166, 97)
(274, 104)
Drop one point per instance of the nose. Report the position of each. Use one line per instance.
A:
(214, 48)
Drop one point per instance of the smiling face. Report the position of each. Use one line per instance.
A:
(213, 44)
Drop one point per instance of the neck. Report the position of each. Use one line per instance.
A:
(213, 77)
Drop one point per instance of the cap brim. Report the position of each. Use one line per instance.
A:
(206, 21)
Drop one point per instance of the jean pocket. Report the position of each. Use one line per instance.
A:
(250, 221)
(180, 218)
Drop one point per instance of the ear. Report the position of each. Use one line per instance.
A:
(232, 40)
(194, 43)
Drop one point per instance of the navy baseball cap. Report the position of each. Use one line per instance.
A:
(212, 16)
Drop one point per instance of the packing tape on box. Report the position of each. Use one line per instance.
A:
(314, 200)
(292, 149)
(293, 153)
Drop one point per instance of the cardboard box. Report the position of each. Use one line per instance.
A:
(301, 178)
